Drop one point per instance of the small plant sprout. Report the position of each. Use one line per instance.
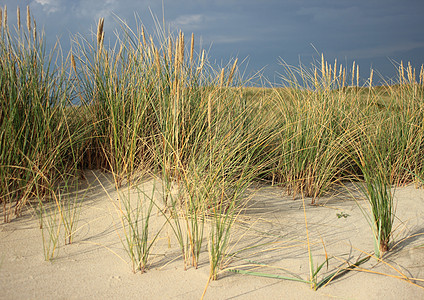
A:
(342, 215)
(50, 224)
(69, 199)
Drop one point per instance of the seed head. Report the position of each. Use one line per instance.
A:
(28, 19)
(34, 30)
(202, 61)
(191, 48)
(221, 78)
(181, 47)
(74, 66)
(5, 17)
(230, 77)
(409, 72)
(18, 16)
(100, 33)
(357, 76)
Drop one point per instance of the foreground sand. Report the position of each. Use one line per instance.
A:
(96, 266)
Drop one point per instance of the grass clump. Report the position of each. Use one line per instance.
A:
(50, 225)
(136, 225)
(68, 201)
(39, 132)
(313, 117)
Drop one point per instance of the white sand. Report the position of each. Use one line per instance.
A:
(96, 265)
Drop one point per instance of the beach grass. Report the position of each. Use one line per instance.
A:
(155, 104)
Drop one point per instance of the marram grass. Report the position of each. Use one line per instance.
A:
(154, 103)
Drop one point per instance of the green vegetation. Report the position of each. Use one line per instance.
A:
(151, 104)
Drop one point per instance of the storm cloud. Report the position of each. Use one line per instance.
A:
(373, 33)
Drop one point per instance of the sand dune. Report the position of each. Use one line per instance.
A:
(96, 265)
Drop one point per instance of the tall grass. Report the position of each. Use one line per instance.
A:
(39, 134)
(318, 113)
(313, 115)
(146, 103)
(155, 103)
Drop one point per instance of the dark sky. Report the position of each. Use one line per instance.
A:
(374, 33)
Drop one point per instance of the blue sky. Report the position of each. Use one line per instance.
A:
(374, 33)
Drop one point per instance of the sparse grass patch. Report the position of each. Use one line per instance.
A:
(69, 201)
(50, 223)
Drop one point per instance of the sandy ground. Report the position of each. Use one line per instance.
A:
(96, 265)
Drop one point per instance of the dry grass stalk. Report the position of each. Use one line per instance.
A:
(414, 76)
(191, 48)
(230, 77)
(100, 33)
(178, 91)
(322, 65)
(74, 66)
(34, 30)
(157, 61)
(202, 61)
(401, 73)
(18, 16)
(335, 69)
(221, 78)
(422, 75)
(409, 72)
(28, 19)
(169, 49)
(118, 57)
(181, 55)
(209, 111)
(371, 75)
(100, 24)
(327, 72)
(353, 72)
(177, 54)
(143, 35)
(106, 57)
(5, 17)
(151, 48)
(174, 87)
(357, 76)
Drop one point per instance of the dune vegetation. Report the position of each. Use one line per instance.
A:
(155, 104)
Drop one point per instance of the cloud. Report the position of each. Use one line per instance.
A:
(44, 2)
(50, 6)
(263, 30)
(95, 9)
(189, 21)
